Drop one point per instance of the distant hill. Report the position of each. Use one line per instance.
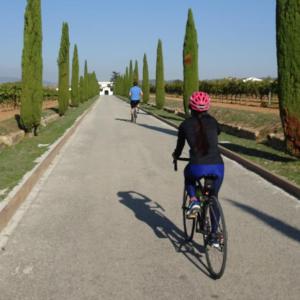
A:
(8, 79)
(15, 79)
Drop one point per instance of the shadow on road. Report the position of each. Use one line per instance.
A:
(123, 120)
(159, 129)
(257, 153)
(287, 230)
(152, 127)
(151, 213)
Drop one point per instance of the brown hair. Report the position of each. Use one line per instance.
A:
(201, 137)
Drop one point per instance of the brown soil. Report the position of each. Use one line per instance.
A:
(7, 113)
(246, 107)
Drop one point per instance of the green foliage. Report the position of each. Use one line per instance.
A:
(115, 75)
(86, 82)
(190, 61)
(10, 94)
(136, 72)
(50, 93)
(174, 87)
(229, 88)
(81, 89)
(130, 75)
(160, 83)
(93, 85)
(63, 69)
(126, 85)
(288, 60)
(75, 97)
(32, 67)
(145, 85)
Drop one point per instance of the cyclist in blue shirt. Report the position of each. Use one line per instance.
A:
(135, 94)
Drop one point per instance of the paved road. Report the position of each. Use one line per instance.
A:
(105, 223)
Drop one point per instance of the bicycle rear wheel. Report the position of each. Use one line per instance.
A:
(188, 223)
(215, 238)
(134, 115)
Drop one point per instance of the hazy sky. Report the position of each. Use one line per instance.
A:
(236, 37)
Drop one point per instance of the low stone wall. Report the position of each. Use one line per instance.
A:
(273, 140)
(14, 138)
(11, 139)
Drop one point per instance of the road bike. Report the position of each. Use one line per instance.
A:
(209, 222)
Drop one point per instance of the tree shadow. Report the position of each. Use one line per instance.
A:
(285, 229)
(159, 129)
(255, 152)
(19, 122)
(174, 118)
(55, 109)
(151, 213)
(123, 120)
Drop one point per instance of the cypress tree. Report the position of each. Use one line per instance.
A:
(81, 89)
(288, 61)
(160, 84)
(136, 72)
(190, 61)
(75, 98)
(130, 78)
(124, 86)
(145, 86)
(64, 72)
(32, 68)
(86, 82)
(95, 84)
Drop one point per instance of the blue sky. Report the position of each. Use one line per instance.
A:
(236, 37)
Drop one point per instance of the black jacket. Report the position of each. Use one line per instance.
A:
(187, 131)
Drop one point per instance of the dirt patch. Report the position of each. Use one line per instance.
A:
(247, 108)
(7, 113)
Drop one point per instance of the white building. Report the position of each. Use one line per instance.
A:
(106, 87)
(252, 79)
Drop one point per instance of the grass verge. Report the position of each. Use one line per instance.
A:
(265, 122)
(17, 160)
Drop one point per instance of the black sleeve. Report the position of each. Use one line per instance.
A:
(180, 142)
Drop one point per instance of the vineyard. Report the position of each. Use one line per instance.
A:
(10, 94)
(259, 93)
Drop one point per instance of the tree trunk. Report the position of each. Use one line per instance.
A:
(288, 60)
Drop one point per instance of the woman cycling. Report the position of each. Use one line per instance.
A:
(201, 131)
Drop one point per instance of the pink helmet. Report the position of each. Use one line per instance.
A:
(199, 101)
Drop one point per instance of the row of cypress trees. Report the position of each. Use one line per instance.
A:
(32, 72)
(124, 82)
(82, 88)
(190, 70)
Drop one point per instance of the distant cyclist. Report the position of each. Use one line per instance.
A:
(135, 94)
(201, 131)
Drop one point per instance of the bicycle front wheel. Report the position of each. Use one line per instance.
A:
(188, 223)
(215, 238)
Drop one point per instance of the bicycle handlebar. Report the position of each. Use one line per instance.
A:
(180, 158)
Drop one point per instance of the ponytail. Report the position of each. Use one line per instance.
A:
(201, 137)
